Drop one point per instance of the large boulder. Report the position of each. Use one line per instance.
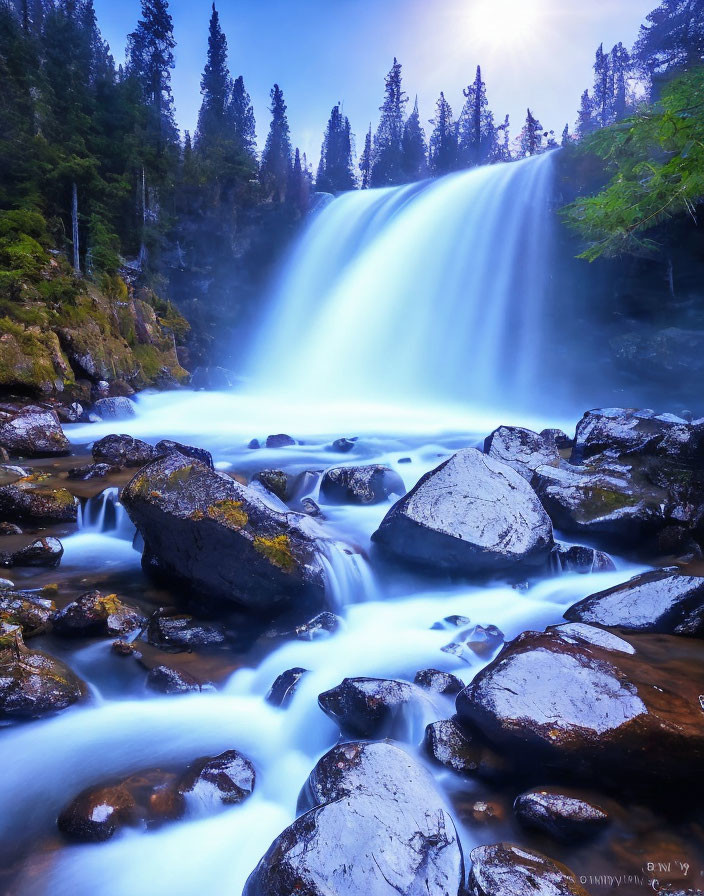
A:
(24, 504)
(522, 449)
(374, 707)
(123, 451)
(378, 827)
(658, 601)
(32, 684)
(503, 869)
(119, 408)
(32, 432)
(204, 528)
(473, 514)
(582, 699)
(369, 484)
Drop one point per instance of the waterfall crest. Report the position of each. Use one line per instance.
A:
(434, 290)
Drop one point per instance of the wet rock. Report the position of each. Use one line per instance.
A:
(168, 446)
(44, 552)
(97, 813)
(378, 826)
(123, 451)
(343, 446)
(438, 682)
(507, 870)
(10, 529)
(360, 485)
(224, 780)
(449, 622)
(10, 473)
(309, 507)
(91, 471)
(206, 529)
(561, 440)
(521, 449)
(280, 440)
(32, 684)
(254, 444)
(472, 514)
(374, 707)
(658, 601)
(183, 632)
(166, 680)
(483, 812)
(95, 614)
(120, 647)
(26, 609)
(481, 640)
(581, 559)
(448, 745)
(71, 413)
(22, 504)
(582, 699)
(282, 690)
(274, 481)
(32, 432)
(119, 408)
(564, 817)
(319, 626)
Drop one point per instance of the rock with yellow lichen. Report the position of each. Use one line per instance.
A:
(204, 528)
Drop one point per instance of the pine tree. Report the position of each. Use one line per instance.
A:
(443, 141)
(215, 86)
(335, 172)
(387, 165)
(365, 162)
(503, 141)
(672, 38)
(276, 158)
(620, 68)
(476, 130)
(585, 117)
(603, 95)
(150, 59)
(530, 140)
(566, 139)
(298, 193)
(241, 115)
(414, 147)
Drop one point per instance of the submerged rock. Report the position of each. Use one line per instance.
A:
(204, 528)
(561, 816)
(91, 471)
(280, 440)
(378, 826)
(507, 870)
(166, 680)
(33, 432)
(178, 631)
(343, 445)
(521, 449)
(95, 614)
(481, 640)
(97, 813)
(582, 699)
(44, 552)
(658, 601)
(123, 451)
(282, 690)
(32, 684)
(374, 707)
(23, 504)
(360, 485)
(581, 559)
(471, 515)
(120, 408)
(224, 780)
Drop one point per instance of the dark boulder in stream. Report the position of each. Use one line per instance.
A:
(507, 870)
(224, 780)
(579, 698)
(32, 684)
(96, 614)
(28, 610)
(472, 514)
(205, 529)
(44, 552)
(369, 484)
(564, 817)
(23, 504)
(32, 432)
(123, 451)
(375, 707)
(119, 408)
(659, 601)
(378, 826)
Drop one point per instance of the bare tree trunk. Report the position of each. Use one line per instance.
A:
(74, 221)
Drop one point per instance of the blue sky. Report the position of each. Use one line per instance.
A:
(532, 52)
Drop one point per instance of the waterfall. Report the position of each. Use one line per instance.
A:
(435, 290)
(104, 514)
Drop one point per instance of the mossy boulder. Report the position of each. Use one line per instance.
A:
(204, 528)
(32, 432)
(24, 504)
(28, 610)
(96, 614)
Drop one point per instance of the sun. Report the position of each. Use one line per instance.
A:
(505, 24)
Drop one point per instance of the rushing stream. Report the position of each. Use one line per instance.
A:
(377, 302)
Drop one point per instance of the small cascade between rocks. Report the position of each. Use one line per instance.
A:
(105, 515)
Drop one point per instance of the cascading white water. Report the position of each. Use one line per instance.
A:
(433, 291)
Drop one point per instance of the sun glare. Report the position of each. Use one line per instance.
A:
(505, 24)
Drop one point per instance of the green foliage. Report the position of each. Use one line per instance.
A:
(656, 162)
